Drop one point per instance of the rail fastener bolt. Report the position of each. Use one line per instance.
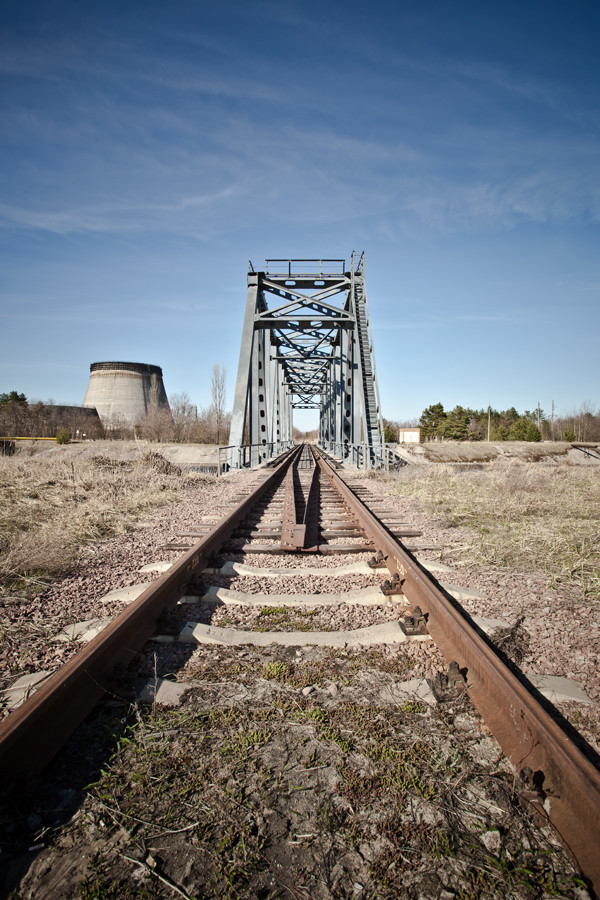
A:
(377, 562)
(415, 624)
(449, 685)
(393, 586)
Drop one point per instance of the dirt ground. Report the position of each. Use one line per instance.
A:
(284, 773)
(482, 451)
(294, 774)
(432, 451)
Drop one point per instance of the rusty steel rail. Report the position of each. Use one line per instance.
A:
(292, 534)
(31, 735)
(301, 534)
(567, 784)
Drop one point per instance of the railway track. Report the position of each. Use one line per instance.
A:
(301, 513)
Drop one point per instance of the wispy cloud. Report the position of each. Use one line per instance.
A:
(193, 147)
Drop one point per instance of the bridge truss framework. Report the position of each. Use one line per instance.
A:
(306, 344)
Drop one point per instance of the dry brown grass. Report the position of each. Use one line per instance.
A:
(523, 515)
(53, 504)
(484, 451)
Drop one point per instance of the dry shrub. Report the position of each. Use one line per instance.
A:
(523, 515)
(461, 452)
(479, 452)
(50, 506)
(100, 461)
(157, 463)
(200, 477)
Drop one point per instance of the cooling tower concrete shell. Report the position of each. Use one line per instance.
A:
(124, 393)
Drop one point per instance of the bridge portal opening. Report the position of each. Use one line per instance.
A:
(307, 350)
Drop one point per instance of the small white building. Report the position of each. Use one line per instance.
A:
(409, 436)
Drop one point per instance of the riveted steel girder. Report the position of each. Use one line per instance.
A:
(306, 344)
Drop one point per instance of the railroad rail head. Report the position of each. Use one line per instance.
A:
(66, 698)
(562, 784)
(568, 783)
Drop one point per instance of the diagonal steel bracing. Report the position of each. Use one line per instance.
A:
(306, 344)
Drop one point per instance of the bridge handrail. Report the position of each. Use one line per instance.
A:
(287, 267)
(249, 455)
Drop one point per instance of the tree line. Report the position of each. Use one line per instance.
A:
(183, 422)
(465, 424)
(187, 423)
(21, 418)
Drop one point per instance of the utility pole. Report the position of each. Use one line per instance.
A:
(553, 420)
(489, 421)
(539, 419)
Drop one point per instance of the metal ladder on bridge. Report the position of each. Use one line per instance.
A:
(368, 375)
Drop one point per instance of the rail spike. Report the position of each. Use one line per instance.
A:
(415, 624)
(449, 685)
(377, 562)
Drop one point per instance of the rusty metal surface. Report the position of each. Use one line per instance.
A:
(300, 526)
(311, 512)
(62, 702)
(528, 735)
(532, 740)
(289, 533)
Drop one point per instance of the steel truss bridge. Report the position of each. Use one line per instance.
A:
(306, 344)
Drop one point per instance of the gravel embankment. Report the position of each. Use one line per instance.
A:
(32, 624)
(557, 635)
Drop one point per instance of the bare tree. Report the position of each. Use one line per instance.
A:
(217, 390)
(184, 414)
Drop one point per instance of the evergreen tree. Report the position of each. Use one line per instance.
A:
(389, 434)
(456, 425)
(533, 432)
(432, 420)
(509, 417)
(524, 430)
(13, 397)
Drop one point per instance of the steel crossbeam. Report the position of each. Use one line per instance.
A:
(300, 350)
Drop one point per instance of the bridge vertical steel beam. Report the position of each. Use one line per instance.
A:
(322, 421)
(337, 392)
(304, 351)
(346, 381)
(239, 416)
(270, 383)
(274, 418)
(258, 410)
(288, 423)
(330, 400)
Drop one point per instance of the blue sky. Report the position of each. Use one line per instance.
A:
(149, 150)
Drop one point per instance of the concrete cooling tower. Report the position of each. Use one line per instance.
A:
(124, 392)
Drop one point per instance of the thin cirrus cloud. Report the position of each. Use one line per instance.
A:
(494, 175)
(147, 153)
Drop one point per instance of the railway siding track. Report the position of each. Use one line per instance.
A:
(302, 505)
